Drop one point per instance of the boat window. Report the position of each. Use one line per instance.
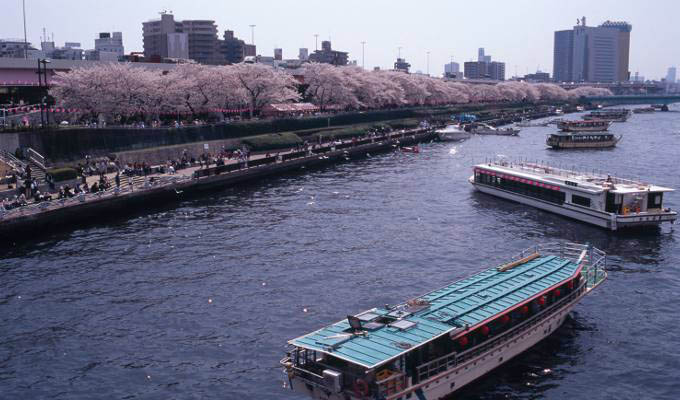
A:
(580, 200)
(654, 200)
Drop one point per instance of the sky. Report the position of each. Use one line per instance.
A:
(517, 32)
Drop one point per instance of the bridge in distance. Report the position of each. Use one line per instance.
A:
(631, 99)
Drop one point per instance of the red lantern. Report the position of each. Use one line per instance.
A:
(524, 310)
(570, 284)
(505, 319)
(541, 301)
(484, 330)
(557, 292)
(463, 341)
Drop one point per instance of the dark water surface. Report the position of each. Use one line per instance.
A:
(197, 301)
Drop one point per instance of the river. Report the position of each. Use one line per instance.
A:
(197, 300)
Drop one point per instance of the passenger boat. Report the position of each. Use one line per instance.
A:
(485, 129)
(527, 123)
(610, 114)
(584, 126)
(434, 344)
(605, 201)
(452, 133)
(644, 110)
(582, 140)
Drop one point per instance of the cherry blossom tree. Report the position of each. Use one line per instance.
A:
(119, 90)
(326, 84)
(264, 85)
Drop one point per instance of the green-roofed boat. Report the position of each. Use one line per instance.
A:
(434, 344)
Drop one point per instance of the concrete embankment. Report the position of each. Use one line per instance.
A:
(179, 187)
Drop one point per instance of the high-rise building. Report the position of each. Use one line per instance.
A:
(278, 54)
(563, 56)
(328, 55)
(452, 70)
(167, 38)
(670, 76)
(202, 37)
(304, 54)
(484, 68)
(592, 54)
(232, 48)
(110, 43)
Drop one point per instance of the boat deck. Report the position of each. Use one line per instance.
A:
(388, 333)
(585, 180)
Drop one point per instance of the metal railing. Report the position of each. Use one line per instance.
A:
(548, 169)
(36, 157)
(55, 204)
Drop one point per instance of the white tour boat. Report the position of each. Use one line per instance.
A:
(605, 201)
(435, 344)
(486, 129)
(452, 133)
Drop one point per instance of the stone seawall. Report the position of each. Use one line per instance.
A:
(111, 206)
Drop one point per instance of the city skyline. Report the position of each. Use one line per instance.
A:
(523, 37)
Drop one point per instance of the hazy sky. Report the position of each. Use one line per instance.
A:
(518, 32)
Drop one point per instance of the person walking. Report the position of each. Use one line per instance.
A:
(117, 179)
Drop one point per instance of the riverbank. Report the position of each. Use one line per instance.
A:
(61, 145)
(164, 188)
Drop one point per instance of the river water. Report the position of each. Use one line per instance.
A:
(197, 300)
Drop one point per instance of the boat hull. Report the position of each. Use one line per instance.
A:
(453, 136)
(583, 145)
(598, 218)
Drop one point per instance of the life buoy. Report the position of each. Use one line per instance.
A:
(360, 388)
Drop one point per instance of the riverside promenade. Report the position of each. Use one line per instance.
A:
(156, 189)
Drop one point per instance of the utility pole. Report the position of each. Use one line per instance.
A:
(428, 63)
(399, 52)
(252, 34)
(316, 42)
(25, 37)
(363, 59)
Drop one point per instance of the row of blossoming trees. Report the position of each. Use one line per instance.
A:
(122, 90)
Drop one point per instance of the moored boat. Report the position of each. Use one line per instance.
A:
(644, 110)
(582, 140)
(486, 129)
(583, 126)
(452, 133)
(609, 114)
(605, 201)
(527, 123)
(435, 344)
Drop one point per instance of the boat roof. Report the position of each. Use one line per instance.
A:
(585, 133)
(585, 181)
(453, 309)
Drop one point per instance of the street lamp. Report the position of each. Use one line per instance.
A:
(428, 63)
(252, 34)
(42, 83)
